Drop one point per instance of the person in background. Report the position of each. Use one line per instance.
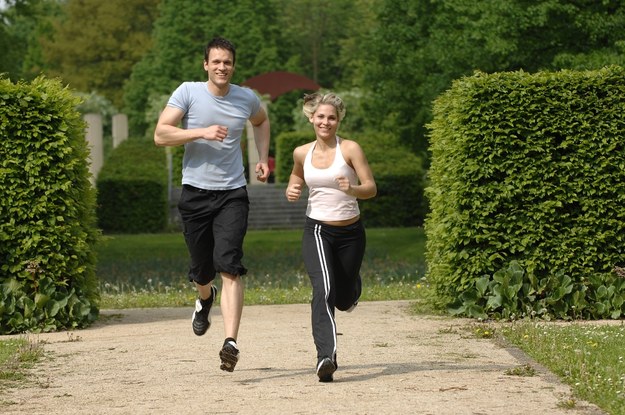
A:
(337, 174)
(208, 118)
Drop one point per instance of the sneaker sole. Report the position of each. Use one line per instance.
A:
(228, 359)
(200, 331)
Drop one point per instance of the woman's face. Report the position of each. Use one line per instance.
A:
(325, 121)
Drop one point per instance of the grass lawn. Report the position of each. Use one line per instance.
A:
(149, 270)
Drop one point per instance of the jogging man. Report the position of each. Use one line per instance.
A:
(208, 118)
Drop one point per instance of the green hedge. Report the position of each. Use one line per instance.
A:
(398, 173)
(132, 189)
(400, 177)
(47, 211)
(285, 144)
(527, 194)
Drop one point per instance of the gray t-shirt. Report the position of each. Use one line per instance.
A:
(208, 164)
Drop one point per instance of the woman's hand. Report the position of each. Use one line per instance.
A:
(344, 184)
(293, 192)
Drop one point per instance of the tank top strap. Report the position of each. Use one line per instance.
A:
(338, 156)
(308, 159)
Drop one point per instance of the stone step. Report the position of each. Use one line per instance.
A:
(269, 208)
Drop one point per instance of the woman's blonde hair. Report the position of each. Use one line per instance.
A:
(312, 102)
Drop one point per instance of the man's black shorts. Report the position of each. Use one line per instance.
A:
(214, 225)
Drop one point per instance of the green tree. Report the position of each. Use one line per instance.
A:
(312, 30)
(11, 43)
(603, 41)
(420, 46)
(323, 37)
(354, 49)
(96, 43)
(22, 23)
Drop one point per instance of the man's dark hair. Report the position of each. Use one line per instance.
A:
(220, 43)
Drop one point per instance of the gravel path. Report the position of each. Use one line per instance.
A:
(148, 361)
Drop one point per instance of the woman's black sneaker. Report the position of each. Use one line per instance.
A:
(325, 370)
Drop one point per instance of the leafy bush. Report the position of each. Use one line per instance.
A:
(528, 171)
(47, 219)
(400, 178)
(510, 293)
(285, 144)
(132, 189)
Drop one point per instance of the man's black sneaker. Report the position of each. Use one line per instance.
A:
(325, 370)
(229, 356)
(202, 315)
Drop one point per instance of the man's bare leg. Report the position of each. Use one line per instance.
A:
(204, 290)
(231, 310)
(231, 303)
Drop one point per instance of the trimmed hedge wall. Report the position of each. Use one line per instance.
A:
(527, 195)
(47, 211)
(132, 189)
(400, 177)
(398, 173)
(285, 144)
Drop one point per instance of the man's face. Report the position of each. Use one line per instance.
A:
(220, 67)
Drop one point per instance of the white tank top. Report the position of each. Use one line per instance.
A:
(326, 202)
